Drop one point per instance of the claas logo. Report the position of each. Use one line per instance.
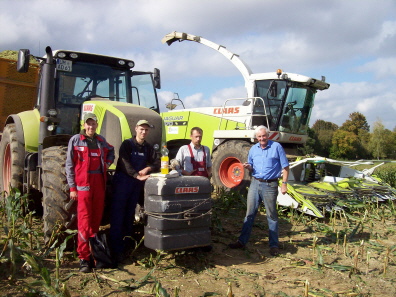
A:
(226, 110)
(88, 107)
(182, 190)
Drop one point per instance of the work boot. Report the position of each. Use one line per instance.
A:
(274, 251)
(84, 266)
(236, 245)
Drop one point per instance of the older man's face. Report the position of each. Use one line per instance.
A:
(262, 137)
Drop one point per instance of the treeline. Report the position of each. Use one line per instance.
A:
(352, 140)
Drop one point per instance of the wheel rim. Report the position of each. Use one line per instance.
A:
(7, 168)
(231, 172)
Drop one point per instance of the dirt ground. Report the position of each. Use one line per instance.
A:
(342, 255)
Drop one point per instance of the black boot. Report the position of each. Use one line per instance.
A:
(84, 266)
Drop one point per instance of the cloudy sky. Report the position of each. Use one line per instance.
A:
(352, 43)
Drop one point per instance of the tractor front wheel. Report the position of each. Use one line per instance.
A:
(227, 165)
(58, 208)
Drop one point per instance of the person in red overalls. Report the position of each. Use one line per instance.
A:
(88, 157)
(194, 158)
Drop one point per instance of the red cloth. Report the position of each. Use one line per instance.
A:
(90, 206)
(81, 154)
(199, 167)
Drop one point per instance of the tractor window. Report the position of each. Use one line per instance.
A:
(90, 80)
(272, 104)
(84, 82)
(297, 110)
(143, 91)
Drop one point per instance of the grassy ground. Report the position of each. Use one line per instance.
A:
(349, 253)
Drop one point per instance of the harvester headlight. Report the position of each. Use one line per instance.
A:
(52, 112)
(121, 62)
(73, 55)
(51, 128)
(61, 55)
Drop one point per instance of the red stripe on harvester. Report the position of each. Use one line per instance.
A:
(273, 135)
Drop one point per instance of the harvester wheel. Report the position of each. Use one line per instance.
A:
(227, 165)
(12, 153)
(56, 198)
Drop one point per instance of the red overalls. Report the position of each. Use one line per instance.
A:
(90, 204)
(199, 167)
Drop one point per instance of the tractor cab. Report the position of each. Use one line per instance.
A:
(80, 77)
(287, 103)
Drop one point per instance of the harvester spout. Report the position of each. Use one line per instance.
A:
(234, 58)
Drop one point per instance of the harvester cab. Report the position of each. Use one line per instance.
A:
(71, 83)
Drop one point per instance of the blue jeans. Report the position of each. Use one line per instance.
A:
(126, 192)
(258, 192)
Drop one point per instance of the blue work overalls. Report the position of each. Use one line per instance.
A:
(126, 191)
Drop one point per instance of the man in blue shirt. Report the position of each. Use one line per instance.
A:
(267, 161)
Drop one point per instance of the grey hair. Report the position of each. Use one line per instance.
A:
(261, 127)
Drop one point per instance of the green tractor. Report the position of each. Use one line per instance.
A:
(34, 142)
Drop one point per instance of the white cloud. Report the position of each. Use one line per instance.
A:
(352, 44)
(221, 96)
(381, 67)
(373, 100)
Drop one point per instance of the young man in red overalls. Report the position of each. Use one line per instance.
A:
(88, 157)
(194, 158)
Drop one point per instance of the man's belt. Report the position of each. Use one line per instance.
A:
(266, 180)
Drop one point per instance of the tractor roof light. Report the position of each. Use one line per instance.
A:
(74, 55)
(279, 72)
(121, 62)
(131, 64)
(61, 55)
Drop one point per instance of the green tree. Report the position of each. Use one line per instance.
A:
(393, 141)
(322, 134)
(344, 145)
(308, 147)
(381, 142)
(357, 124)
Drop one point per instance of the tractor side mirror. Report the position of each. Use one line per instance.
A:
(23, 60)
(157, 78)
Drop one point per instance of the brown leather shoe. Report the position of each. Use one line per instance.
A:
(274, 251)
(236, 245)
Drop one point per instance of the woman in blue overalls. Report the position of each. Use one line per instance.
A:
(136, 159)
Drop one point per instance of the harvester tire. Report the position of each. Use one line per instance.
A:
(56, 197)
(227, 165)
(12, 153)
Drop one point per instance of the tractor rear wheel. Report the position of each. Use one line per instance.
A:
(12, 153)
(56, 198)
(227, 165)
